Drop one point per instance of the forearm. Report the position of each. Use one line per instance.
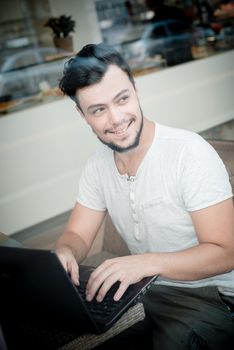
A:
(202, 261)
(75, 243)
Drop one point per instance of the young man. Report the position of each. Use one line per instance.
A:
(168, 195)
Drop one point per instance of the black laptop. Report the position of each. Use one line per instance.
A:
(37, 290)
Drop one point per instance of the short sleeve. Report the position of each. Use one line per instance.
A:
(90, 193)
(203, 177)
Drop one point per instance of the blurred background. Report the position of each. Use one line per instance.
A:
(150, 34)
(182, 57)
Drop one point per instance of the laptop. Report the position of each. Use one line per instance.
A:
(37, 290)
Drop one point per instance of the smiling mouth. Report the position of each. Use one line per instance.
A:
(120, 130)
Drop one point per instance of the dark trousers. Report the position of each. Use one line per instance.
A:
(180, 319)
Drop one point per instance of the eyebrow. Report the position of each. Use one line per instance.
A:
(98, 105)
(121, 93)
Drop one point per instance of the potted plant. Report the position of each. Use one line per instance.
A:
(62, 27)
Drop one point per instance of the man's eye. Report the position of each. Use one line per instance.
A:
(123, 99)
(98, 111)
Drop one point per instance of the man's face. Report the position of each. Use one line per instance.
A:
(112, 110)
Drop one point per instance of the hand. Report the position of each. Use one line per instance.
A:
(69, 263)
(127, 270)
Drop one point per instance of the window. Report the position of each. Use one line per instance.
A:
(158, 32)
(146, 33)
(178, 27)
(30, 65)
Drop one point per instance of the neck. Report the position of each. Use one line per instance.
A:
(129, 162)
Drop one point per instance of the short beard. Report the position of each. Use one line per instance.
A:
(135, 143)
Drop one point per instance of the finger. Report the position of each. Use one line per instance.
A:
(74, 271)
(63, 262)
(107, 284)
(93, 288)
(99, 271)
(121, 290)
(95, 284)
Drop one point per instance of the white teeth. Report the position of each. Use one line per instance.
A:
(120, 131)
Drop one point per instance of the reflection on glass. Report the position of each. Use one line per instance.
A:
(153, 34)
(150, 34)
(30, 66)
(29, 76)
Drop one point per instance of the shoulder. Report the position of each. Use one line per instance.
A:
(180, 143)
(188, 151)
(200, 173)
(184, 141)
(177, 136)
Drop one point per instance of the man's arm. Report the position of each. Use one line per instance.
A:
(213, 255)
(76, 241)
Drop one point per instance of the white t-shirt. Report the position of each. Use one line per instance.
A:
(181, 172)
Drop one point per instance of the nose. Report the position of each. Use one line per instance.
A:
(115, 115)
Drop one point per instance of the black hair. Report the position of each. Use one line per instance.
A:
(89, 66)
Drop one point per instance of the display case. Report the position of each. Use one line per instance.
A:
(30, 76)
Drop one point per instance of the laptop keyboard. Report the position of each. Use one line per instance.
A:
(108, 305)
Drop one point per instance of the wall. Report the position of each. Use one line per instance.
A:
(196, 95)
(43, 149)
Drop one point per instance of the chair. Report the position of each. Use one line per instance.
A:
(225, 149)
